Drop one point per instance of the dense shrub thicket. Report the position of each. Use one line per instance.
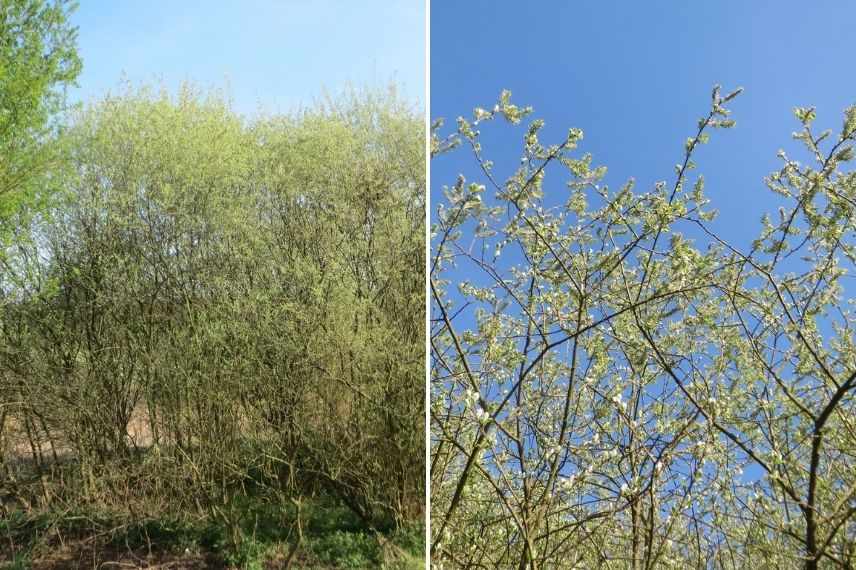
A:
(212, 306)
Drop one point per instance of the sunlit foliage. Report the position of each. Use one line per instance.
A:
(614, 385)
(212, 306)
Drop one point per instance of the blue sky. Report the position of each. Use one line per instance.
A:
(275, 54)
(636, 76)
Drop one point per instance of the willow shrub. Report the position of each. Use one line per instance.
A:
(617, 386)
(213, 305)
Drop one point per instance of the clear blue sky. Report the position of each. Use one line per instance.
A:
(636, 76)
(279, 54)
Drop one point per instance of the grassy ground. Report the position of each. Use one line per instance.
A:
(333, 538)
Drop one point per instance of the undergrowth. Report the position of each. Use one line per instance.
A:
(333, 538)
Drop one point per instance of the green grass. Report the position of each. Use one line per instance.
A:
(334, 538)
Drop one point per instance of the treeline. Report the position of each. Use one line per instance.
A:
(205, 305)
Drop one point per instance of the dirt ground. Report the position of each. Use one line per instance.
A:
(15, 442)
(81, 556)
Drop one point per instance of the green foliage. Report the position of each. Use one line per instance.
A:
(214, 308)
(334, 536)
(412, 539)
(250, 555)
(353, 550)
(38, 62)
(20, 562)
